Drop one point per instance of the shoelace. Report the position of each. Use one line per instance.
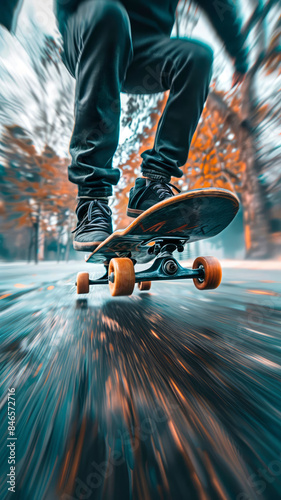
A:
(163, 189)
(97, 217)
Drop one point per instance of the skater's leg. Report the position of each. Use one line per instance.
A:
(184, 67)
(97, 50)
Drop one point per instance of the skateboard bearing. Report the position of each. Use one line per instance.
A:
(170, 267)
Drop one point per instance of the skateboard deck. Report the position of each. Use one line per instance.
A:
(185, 218)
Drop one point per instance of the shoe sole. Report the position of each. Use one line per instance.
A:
(86, 246)
(133, 212)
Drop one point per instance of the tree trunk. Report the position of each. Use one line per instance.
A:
(31, 242)
(256, 217)
(36, 237)
(67, 247)
(59, 247)
(256, 228)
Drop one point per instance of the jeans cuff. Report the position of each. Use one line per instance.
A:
(155, 176)
(94, 193)
(92, 198)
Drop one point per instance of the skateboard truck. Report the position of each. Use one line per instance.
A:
(166, 267)
(121, 276)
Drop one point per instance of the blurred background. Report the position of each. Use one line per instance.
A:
(167, 394)
(236, 146)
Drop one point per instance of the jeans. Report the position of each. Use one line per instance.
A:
(105, 58)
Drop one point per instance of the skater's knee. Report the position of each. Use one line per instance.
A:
(199, 54)
(111, 14)
(203, 56)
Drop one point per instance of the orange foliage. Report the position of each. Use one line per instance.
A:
(34, 184)
(214, 159)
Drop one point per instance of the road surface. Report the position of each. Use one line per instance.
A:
(168, 394)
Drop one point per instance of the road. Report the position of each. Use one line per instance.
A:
(168, 394)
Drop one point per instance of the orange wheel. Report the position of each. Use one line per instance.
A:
(144, 286)
(82, 282)
(121, 276)
(213, 273)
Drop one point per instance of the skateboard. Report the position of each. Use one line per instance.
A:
(155, 235)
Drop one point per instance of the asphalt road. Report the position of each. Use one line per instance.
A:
(168, 394)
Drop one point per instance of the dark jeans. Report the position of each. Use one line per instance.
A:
(105, 58)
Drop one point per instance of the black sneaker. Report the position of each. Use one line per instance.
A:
(94, 224)
(143, 196)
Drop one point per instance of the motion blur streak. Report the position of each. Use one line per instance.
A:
(168, 394)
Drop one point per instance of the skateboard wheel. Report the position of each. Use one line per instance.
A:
(83, 284)
(213, 273)
(121, 274)
(144, 285)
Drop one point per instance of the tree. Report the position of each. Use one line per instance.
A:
(34, 186)
(41, 98)
(255, 118)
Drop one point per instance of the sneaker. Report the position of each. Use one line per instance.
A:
(143, 196)
(94, 225)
